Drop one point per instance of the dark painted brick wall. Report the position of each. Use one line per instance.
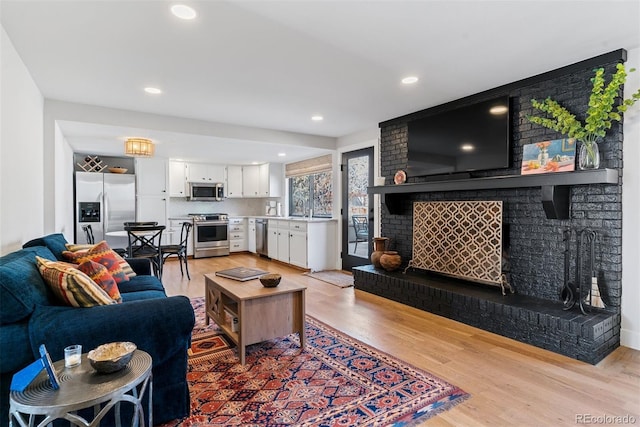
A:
(536, 242)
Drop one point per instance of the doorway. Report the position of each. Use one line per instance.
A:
(357, 207)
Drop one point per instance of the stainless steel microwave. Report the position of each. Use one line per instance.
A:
(209, 192)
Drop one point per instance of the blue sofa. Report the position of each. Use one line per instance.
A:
(30, 315)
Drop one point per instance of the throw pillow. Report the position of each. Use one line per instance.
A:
(102, 254)
(101, 276)
(126, 268)
(71, 285)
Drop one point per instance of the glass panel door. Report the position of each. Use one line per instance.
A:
(357, 211)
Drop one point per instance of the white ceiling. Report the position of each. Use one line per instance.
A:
(274, 64)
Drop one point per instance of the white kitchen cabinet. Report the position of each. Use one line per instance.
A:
(177, 178)
(237, 234)
(272, 239)
(305, 244)
(321, 244)
(270, 180)
(278, 240)
(203, 172)
(152, 208)
(151, 190)
(251, 181)
(283, 241)
(151, 176)
(298, 248)
(175, 228)
(233, 188)
(251, 235)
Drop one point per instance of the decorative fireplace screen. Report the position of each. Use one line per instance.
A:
(460, 239)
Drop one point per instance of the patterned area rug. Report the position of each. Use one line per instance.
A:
(335, 277)
(207, 341)
(335, 381)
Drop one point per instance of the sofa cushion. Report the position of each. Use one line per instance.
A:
(21, 285)
(72, 286)
(99, 274)
(100, 253)
(141, 283)
(55, 243)
(142, 295)
(126, 268)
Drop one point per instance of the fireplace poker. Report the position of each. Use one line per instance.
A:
(584, 289)
(595, 300)
(568, 293)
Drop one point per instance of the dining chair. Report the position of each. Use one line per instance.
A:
(180, 250)
(146, 242)
(140, 223)
(361, 227)
(88, 234)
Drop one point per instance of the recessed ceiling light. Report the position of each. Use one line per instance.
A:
(282, 154)
(498, 109)
(409, 80)
(183, 11)
(467, 147)
(152, 90)
(317, 118)
(255, 163)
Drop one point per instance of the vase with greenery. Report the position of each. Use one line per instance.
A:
(604, 108)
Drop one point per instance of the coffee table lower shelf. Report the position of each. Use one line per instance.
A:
(262, 313)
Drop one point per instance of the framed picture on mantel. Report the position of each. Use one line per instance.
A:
(558, 155)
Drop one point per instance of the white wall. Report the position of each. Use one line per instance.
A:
(630, 333)
(21, 152)
(63, 190)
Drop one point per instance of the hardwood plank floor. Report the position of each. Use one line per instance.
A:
(511, 383)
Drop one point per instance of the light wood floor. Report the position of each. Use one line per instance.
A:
(511, 384)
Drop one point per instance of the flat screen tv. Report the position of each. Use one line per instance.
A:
(470, 138)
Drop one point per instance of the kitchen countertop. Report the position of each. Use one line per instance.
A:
(285, 218)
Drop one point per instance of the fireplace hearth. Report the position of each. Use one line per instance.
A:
(527, 319)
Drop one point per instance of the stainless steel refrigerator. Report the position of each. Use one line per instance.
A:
(106, 201)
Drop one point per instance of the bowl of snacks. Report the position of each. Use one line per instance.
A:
(270, 280)
(111, 357)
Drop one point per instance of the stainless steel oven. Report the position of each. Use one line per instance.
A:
(210, 235)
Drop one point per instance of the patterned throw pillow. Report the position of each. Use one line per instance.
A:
(72, 247)
(71, 285)
(101, 276)
(102, 254)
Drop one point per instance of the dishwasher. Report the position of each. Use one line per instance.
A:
(262, 225)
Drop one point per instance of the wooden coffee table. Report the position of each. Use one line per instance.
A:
(262, 313)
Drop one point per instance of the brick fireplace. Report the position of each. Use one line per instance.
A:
(535, 313)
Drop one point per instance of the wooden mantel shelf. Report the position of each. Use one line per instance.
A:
(555, 187)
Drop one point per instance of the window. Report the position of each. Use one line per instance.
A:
(313, 191)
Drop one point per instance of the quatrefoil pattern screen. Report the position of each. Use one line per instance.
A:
(461, 239)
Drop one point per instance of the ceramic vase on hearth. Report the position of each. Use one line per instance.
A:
(390, 260)
(379, 246)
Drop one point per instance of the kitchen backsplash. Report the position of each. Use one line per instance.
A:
(239, 207)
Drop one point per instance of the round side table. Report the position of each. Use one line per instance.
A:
(82, 387)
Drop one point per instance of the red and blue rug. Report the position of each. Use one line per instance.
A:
(336, 381)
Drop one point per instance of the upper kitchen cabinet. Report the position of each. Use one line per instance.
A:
(234, 182)
(262, 181)
(151, 176)
(177, 178)
(202, 172)
(251, 181)
(271, 179)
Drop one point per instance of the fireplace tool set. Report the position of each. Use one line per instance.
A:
(585, 293)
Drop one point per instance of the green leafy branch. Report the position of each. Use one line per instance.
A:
(600, 113)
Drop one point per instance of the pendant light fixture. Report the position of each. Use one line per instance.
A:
(138, 147)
